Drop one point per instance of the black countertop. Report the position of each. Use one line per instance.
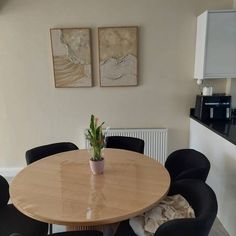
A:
(224, 128)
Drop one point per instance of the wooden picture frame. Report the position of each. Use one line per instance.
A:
(118, 56)
(71, 54)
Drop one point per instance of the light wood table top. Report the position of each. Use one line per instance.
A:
(61, 189)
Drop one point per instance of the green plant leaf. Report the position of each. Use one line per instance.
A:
(96, 138)
(92, 123)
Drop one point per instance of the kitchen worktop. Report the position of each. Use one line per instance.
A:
(224, 128)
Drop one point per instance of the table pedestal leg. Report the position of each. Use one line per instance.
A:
(108, 229)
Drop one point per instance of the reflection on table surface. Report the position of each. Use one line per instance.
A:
(61, 189)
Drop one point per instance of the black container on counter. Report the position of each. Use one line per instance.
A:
(213, 107)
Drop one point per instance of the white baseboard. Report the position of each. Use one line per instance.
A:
(10, 172)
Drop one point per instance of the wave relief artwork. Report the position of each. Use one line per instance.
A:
(71, 57)
(118, 56)
(122, 71)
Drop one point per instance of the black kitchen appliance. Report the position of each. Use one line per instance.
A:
(213, 107)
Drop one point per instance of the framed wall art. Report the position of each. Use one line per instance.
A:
(118, 56)
(71, 53)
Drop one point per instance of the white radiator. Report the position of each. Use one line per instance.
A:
(155, 140)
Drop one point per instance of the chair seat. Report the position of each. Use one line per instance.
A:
(201, 198)
(12, 221)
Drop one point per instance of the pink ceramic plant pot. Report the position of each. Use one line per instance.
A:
(97, 167)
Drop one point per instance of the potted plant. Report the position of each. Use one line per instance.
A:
(96, 139)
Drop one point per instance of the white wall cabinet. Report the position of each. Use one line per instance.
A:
(215, 55)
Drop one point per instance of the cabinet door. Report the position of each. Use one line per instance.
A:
(220, 57)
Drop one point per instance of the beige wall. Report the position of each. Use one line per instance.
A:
(231, 83)
(33, 112)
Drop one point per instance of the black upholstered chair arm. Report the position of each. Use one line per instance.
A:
(169, 163)
(16, 234)
(193, 173)
(183, 227)
(174, 164)
(4, 192)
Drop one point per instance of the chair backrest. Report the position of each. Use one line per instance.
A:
(38, 153)
(202, 199)
(124, 142)
(187, 164)
(4, 191)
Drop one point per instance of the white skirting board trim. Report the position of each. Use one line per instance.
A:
(10, 172)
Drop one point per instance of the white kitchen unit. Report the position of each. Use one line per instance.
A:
(222, 176)
(215, 55)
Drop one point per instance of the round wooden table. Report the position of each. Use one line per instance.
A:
(61, 189)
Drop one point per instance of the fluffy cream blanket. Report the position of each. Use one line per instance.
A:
(172, 207)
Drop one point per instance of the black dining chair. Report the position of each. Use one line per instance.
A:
(187, 164)
(203, 201)
(70, 233)
(11, 220)
(124, 142)
(40, 152)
